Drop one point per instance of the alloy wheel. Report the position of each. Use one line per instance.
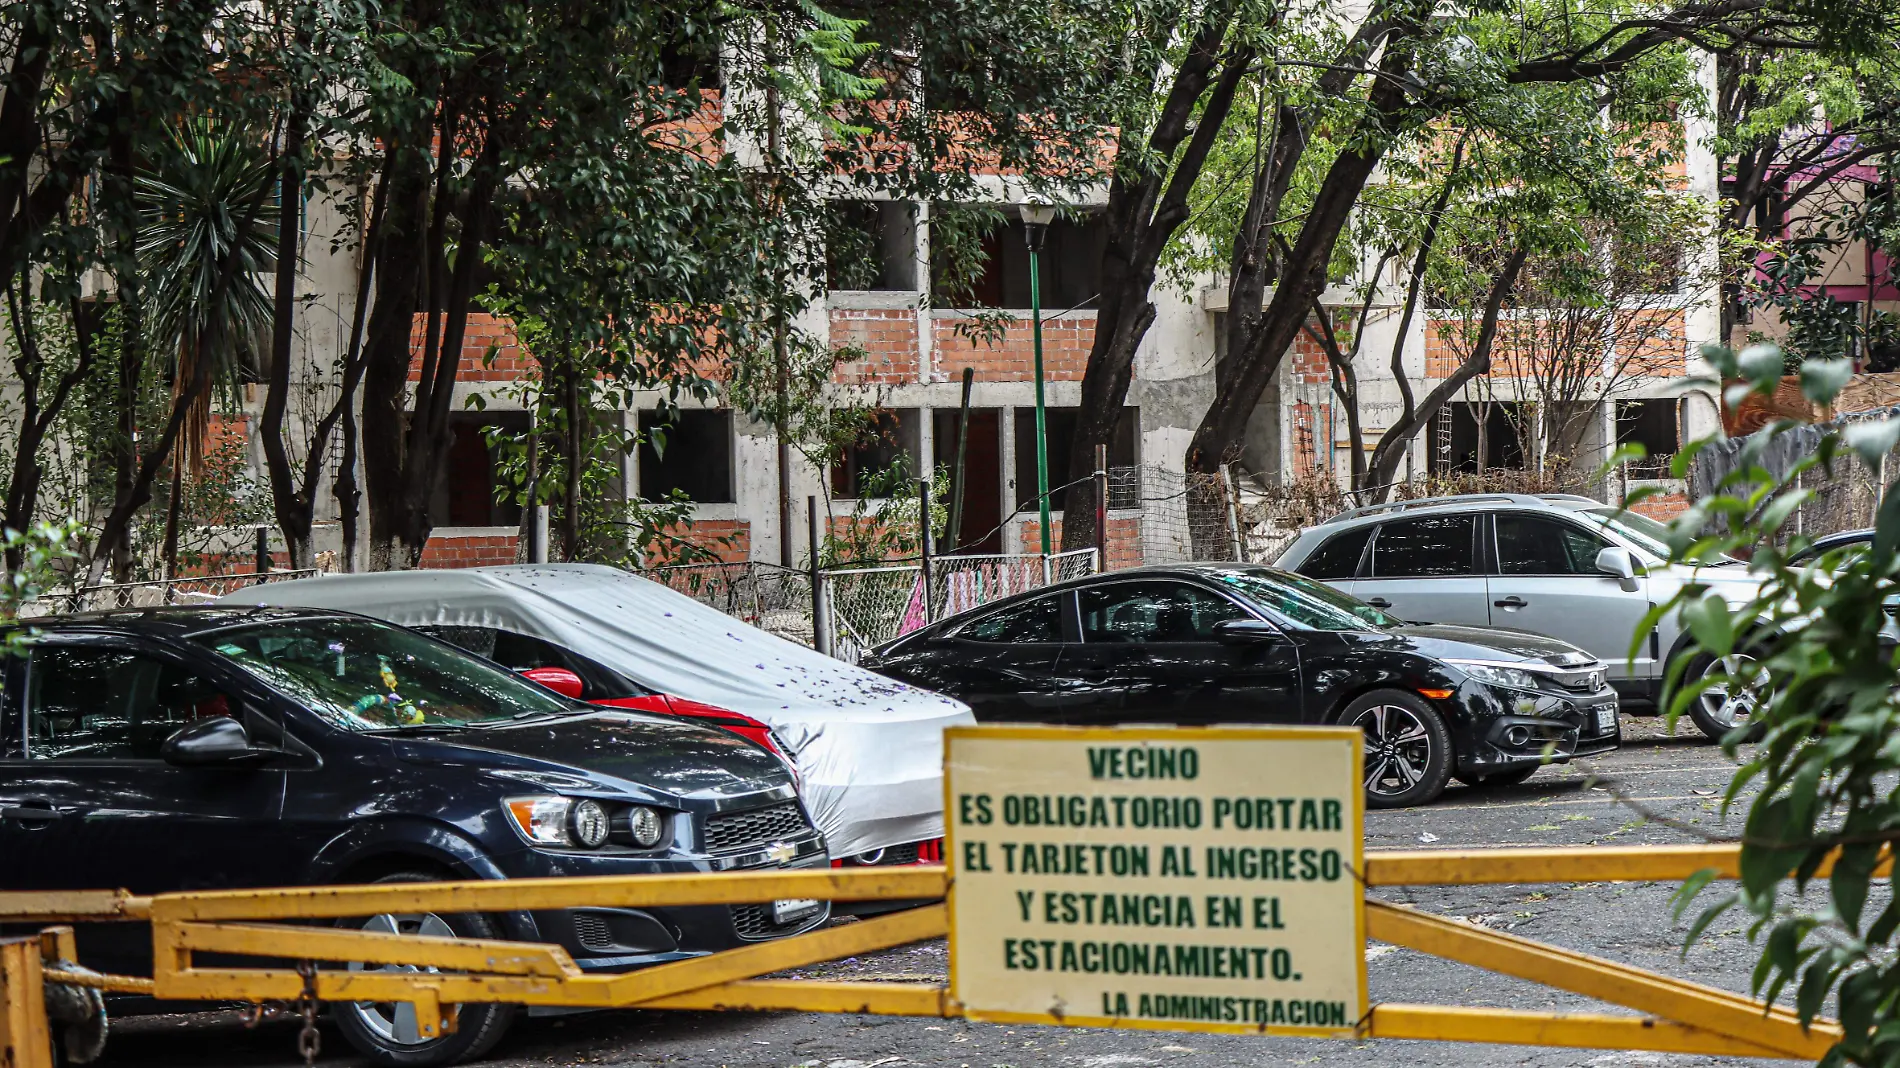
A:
(395, 1022)
(1398, 749)
(1725, 700)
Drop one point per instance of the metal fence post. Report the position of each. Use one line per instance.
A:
(820, 619)
(1101, 508)
(1231, 490)
(25, 1040)
(538, 543)
(263, 549)
(925, 548)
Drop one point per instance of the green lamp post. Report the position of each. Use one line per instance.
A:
(1037, 215)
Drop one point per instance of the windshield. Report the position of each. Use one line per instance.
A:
(1645, 533)
(1302, 601)
(366, 676)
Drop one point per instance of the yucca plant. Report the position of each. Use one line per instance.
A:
(197, 209)
(206, 247)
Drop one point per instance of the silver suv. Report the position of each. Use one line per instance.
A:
(1566, 567)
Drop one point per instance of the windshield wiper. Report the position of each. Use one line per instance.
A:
(417, 728)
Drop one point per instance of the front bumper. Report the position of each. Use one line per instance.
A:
(1504, 730)
(621, 939)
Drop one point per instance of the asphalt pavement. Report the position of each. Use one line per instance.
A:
(1657, 789)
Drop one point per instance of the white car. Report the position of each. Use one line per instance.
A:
(868, 750)
(1562, 566)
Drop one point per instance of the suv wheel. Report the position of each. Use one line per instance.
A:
(1408, 749)
(386, 1032)
(1721, 706)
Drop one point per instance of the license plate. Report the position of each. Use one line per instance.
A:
(1606, 718)
(793, 909)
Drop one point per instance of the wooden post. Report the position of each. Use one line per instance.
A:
(25, 1040)
(820, 621)
(924, 547)
(953, 534)
(1101, 508)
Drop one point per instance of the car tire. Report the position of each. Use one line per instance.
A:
(1409, 756)
(386, 1033)
(1496, 779)
(1715, 710)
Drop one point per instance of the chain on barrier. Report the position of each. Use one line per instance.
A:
(309, 1039)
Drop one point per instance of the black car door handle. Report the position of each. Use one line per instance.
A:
(29, 813)
(1513, 601)
(1378, 602)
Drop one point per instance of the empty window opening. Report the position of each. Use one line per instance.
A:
(687, 451)
(1070, 267)
(871, 245)
(1123, 492)
(882, 461)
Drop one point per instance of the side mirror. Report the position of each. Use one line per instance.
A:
(1617, 562)
(219, 740)
(1245, 632)
(558, 679)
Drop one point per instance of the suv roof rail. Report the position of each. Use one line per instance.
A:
(1432, 502)
(1575, 498)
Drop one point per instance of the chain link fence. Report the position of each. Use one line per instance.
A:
(864, 606)
(198, 590)
(771, 598)
(1843, 498)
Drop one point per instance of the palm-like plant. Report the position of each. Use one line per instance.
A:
(200, 208)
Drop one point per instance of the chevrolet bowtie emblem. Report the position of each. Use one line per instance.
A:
(781, 853)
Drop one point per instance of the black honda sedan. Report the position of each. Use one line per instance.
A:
(185, 749)
(1201, 644)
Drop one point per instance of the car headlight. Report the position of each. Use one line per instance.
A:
(1497, 674)
(587, 823)
(542, 820)
(644, 826)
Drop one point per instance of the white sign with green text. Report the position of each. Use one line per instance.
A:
(1178, 879)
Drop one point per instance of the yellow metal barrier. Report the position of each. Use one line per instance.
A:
(1676, 1016)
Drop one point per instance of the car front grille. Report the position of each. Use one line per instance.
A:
(592, 932)
(755, 922)
(1589, 680)
(759, 827)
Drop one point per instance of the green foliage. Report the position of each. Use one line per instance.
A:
(44, 548)
(883, 522)
(1818, 648)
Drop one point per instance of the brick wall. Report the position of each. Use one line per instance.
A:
(1663, 507)
(1012, 358)
(729, 540)
(485, 331)
(1309, 361)
(473, 551)
(1312, 433)
(1649, 343)
(1124, 538)
(888, 337)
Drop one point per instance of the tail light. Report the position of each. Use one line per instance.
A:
(929, 851)
(752, 730)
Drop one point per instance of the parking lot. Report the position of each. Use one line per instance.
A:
(1598, 802)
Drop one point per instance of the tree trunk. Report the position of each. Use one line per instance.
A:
(1143, 213)
(1391, 451)
(573, 447)
(294, 505)
(403, 452)
(1301, 278)
(174, 501)
(387, 355)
